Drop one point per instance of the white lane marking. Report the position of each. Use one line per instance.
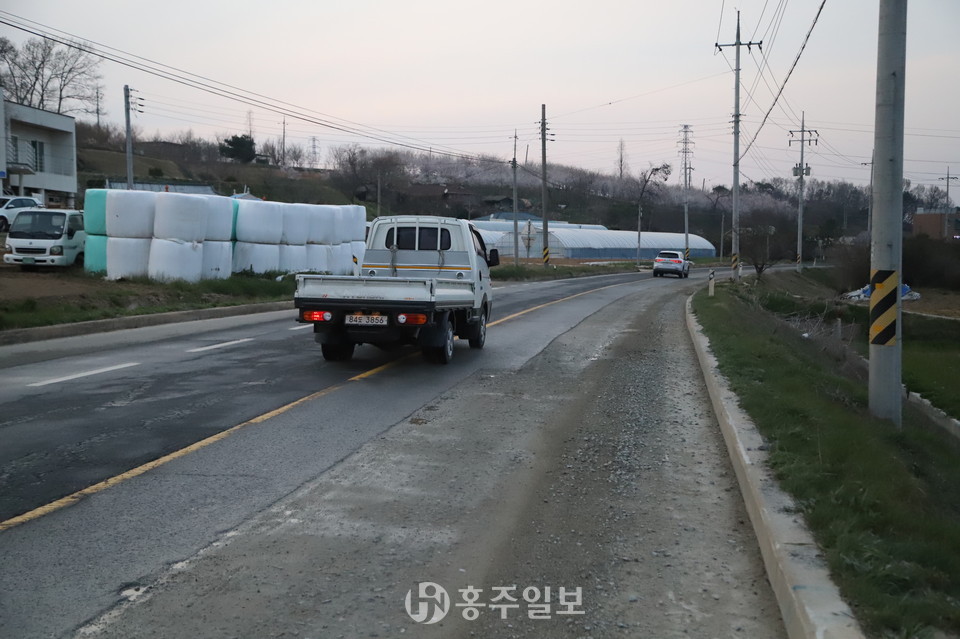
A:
(85, 374)
(221, 345)
(300, 328)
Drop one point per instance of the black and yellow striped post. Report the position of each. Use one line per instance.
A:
(884, 287)
(546, 255)
(734, 264)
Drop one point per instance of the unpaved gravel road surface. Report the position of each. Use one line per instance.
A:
(598, 465)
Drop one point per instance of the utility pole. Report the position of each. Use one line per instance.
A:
(99, 98)
(126, 111)
(735, 223)
(946, 215)
(314, 158)
(685, 153)
(870, 197)
(283, 144)
(516, 223)
(639, 230)
(543, 166)
(801, 170)
(886, 241)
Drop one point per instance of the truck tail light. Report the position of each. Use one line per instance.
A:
(411, 318)
(317, 316)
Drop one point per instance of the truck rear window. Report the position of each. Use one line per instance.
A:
(419, 238)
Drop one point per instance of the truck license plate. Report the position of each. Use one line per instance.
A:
(29, 260)
(366, 320)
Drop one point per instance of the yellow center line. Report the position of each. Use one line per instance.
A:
(73, 498)
(562, 299)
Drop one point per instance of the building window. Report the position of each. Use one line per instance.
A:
(38, 164)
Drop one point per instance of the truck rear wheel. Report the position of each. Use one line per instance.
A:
(441, 354)
(337, 352)
(479, 337)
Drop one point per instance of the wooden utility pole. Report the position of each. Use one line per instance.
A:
(126, 111)
(543, 166)
(516, 223)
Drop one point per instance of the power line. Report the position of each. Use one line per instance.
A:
(789, 73)
(221, 89)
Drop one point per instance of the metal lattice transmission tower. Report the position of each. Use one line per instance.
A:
(686, 154)
(801, 170)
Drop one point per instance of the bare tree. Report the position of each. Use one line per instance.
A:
(46, 76)
(766, 238)
(623, 168)
(296, 155)
(271, 149)
(651, 180)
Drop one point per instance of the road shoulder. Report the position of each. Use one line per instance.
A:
(809, 600)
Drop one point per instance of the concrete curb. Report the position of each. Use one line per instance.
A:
(809, 601)
(23, 335)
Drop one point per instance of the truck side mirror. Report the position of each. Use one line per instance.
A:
(71, 233)
(494, 258)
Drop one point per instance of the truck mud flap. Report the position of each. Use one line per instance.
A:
(435, 336)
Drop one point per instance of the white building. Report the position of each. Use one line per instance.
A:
(39, 155)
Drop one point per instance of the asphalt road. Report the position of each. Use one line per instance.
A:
(80, 411)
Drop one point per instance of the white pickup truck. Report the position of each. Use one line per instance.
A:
(423, 281)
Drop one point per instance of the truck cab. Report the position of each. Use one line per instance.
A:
(45, 237)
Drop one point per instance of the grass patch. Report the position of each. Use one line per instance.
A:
(883, 504)
(930, 347)
(102, 299)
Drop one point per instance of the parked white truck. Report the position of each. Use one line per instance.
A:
(45, 237)
(423, 281)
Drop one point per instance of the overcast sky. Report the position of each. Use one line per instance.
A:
(462, 76)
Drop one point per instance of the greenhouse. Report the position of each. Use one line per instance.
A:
(589, 242)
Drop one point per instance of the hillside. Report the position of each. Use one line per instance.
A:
(95, 165)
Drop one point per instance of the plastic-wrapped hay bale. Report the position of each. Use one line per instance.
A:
(258, 258)
(95, 214)
(357, 249)
(175, 260)
(343, 222)
(217, 260)
(296, 224)
(293, 258)
(322, 224)
(359, 225)
(95, 252)
(342, 260)
(181, 216)
(220, 219)
(128, 257)
(259, 222)
(319, 257)
(130, 213)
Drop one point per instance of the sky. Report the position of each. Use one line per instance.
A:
(461, 77)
